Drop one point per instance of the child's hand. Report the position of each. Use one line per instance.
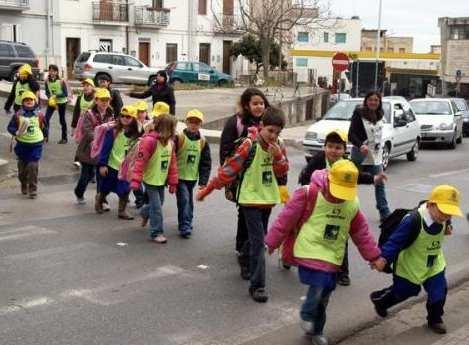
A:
(275, 150)
(364, 150)
(201, 194)
(380, 178)
(449, 230)
(378, 264)
(252, 133)
(103, 171)
(134, 185)
(172, 189)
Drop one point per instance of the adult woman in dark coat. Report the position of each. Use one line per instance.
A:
(160, 91)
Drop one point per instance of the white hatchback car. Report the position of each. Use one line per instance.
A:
(401, 132)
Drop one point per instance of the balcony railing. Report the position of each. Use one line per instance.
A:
(151, 17)
(228, 24)
(17, 5)
(110, 12)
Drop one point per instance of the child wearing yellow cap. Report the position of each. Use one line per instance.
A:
(28, 126)
(415, 250)
(335, 148)
(57, 94)
(314, 227)
(117, 141)
(24, 82)
(194, 163)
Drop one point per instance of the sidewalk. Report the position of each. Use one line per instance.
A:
(408, 326)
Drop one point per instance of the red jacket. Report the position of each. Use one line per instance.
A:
(147, 147)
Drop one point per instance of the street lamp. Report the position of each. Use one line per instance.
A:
(378, 43)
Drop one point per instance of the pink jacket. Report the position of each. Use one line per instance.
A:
(147, 147)
(298, 210)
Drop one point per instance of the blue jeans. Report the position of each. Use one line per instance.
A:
(63, 123)
(185, 203)
(86, 175)
(315, 305)
(380, 193)
(153, 209)
(257, 220)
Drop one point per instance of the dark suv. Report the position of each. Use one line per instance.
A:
(12, 56)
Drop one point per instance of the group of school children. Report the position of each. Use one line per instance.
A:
(141, 152)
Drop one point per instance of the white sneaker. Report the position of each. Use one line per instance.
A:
(319, 340)
(308, 327)
(81, 201)
(77, 165)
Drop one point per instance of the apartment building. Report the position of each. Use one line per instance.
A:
(389, 44)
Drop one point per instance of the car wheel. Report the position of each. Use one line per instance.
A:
(222, 82)
(412, 155)
(176, 82)
(452, 143)
(386, 156)
(459, 140)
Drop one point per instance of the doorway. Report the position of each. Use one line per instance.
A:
(144, 52)
(204, 53)
(73, 47)
(227, 45)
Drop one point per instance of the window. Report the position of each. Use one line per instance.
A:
(390, 50)
(171, 52)
(201, 67)
(118, 60)
(459, 32)
(340, 38)
(301, 62)
(402, 50)
(105, 45)
(461, 104)
(303, 37)
(202, 7)
(326, 37)
(6, 51)
(369, 49)
(184, 66)
(83, 57)
(24, 51)
(103, 58)
(157, 3)
(131, 62)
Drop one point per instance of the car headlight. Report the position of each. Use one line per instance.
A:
(445, 126)
(311, 136)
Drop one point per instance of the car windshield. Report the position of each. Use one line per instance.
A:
(343, 111)
(431, 108)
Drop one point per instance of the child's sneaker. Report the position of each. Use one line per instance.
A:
(308, 327)
(24, 189)
(259, 294)
(32, 195)
(81, 201)
(376, 299)
(438, 328)
(319, 339)
(185, 235)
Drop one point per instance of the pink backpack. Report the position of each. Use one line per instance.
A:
(78, 133)
(98, 139)
(126, 170)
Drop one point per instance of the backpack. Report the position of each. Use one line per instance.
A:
(78, 133)
(126, 170)
(98, 139)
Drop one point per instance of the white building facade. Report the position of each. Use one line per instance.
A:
(155, 31)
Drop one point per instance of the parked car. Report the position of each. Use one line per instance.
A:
(121, 68)
(401, 133)
(193, 72)
(12, 56)
(336, 97)
(462, 106)
(440, 120)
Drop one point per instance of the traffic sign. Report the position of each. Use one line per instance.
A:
(340, 62)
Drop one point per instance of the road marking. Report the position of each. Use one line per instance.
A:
(51, 251)
(24, 231)
(25, 305)
(449, 173)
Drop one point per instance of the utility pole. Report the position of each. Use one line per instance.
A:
(378, 43)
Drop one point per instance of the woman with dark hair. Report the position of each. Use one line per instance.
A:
(251, 107)
(160, 91)
(366, 133)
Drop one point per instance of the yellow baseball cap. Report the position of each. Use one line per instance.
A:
(343, 135)
(447, 198)
(141, 106)
(160, 108)
(88, 81)
(195, 113)
(343, 179)
(28, 94)
(102, 93)
(26, 69)
(129, 110)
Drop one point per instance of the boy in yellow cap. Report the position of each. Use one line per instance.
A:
(415, 249)
(29, 128)
(117, 141)
(194, 163)
(24, 82)
(335, 148)
(314, 227)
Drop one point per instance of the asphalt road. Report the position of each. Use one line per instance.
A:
(69, 276)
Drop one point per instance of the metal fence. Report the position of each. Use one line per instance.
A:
(110, 11)
(151, 16)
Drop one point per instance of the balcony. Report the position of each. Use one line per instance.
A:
(110, 13)
(14, 5)
(150, 17)
(228, 24)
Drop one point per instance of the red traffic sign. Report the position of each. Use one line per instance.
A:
(340, 62)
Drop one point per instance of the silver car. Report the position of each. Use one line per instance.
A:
(440, 120)
(121, 68)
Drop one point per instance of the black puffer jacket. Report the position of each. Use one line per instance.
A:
(162, 93)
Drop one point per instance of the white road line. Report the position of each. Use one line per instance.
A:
(449, 173)
(25, 231)
(25, 305)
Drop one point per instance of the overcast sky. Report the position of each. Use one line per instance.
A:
(417, 18)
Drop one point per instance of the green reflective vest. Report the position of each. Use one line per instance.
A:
(424, 258)
(157, 168)
(56, 88)
(19, 89)
(119, 150)
(324, 235)
(188, 159)
(259, 184)
(84, 104)
(33, 133)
